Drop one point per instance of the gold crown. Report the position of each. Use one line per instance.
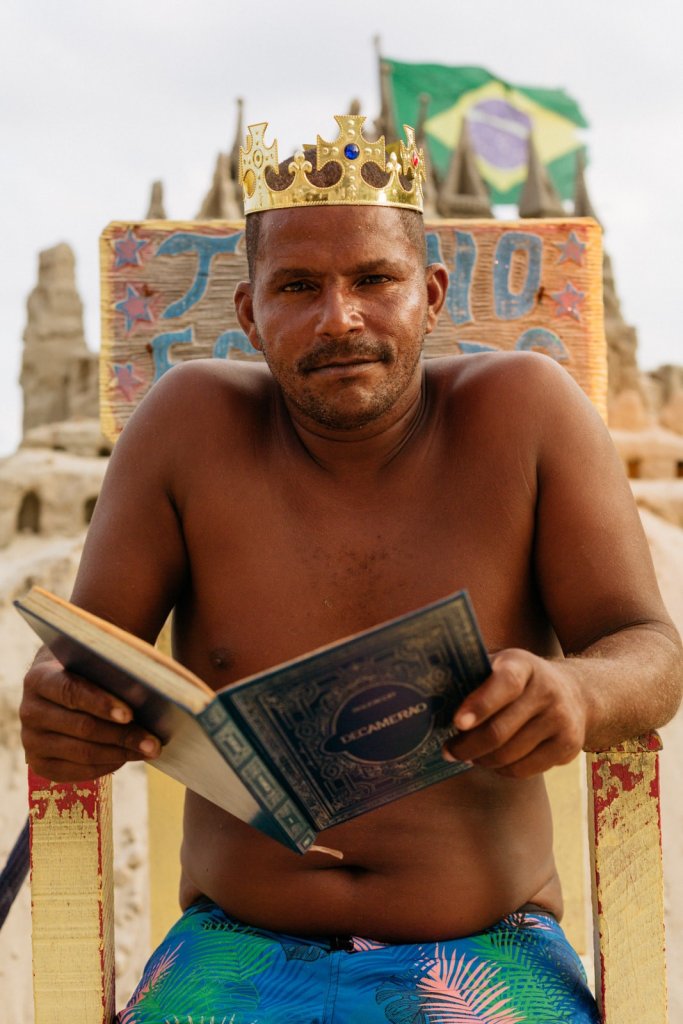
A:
(351, 151)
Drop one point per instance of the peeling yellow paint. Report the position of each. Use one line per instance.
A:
(628, 890)
(72, 908)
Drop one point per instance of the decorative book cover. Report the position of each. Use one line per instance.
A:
(308, 744)
(352, 727)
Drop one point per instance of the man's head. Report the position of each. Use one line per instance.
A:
(339, 298)
(339, 303)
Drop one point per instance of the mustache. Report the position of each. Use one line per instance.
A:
(337, 349)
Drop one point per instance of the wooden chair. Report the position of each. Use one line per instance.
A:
(166, 296)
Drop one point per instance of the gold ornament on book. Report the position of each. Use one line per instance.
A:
(399, 181)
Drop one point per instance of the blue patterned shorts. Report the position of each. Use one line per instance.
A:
(211, 969)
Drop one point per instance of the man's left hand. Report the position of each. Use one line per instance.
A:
(529, 715)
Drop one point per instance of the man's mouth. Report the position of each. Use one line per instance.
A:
(332, 360)
(342, 367)
(352, 361)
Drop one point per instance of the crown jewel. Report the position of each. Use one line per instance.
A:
(400, 183)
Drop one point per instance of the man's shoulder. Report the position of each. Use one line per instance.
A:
(198, 400)
(496, 376)
(495, 396)
(217, 377)
(203, 388)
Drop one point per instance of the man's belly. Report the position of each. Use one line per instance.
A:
(442, 863)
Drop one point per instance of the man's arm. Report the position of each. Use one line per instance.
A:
(623, 669)
(132, 568)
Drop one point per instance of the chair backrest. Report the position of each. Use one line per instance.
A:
(166, 296)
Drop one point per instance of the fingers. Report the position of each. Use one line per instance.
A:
(59, 769)
(53, 683)
(522, 720)
(72, 729)
(534, 748)
(511, 672)
(543, 757)
(51, 721)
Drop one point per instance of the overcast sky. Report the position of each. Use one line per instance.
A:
(97, 100)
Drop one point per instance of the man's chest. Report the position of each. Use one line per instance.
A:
(280, 572)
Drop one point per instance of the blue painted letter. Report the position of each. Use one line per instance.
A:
(511, 305)
(540, 339)
(160, 346)
(206, 247)
(232, 340)
(460, 277)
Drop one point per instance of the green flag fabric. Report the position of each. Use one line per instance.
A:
(500, 118)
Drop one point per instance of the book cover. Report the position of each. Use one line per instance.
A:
(305, 745)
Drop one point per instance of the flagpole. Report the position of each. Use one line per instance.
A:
(386, 122)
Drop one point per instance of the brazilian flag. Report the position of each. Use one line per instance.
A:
(500, 118)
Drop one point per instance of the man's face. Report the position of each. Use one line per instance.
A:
(339, 305)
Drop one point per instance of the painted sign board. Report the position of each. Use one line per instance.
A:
(167, 292)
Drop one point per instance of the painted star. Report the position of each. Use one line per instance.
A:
(134, 307)
(126, 380)
(128, 250)
(569, 301)
(573, 249)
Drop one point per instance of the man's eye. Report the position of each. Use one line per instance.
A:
(374, 279)
(296, 286)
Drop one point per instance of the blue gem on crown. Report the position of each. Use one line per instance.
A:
(351, 151)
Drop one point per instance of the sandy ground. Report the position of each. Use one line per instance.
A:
(52, 563)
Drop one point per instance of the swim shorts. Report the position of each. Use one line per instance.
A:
(212, 969)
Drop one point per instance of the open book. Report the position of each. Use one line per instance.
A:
(307, 744)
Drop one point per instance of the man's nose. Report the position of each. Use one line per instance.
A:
(338, 313)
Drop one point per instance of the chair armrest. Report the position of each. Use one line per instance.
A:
(627, 882)
(72, 903)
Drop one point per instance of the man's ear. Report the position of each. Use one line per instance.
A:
(436, 279)
(244, 307)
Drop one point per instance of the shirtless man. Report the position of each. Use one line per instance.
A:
(280, 507)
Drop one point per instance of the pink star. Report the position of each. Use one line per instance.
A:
(128, 250)
(573, 249)
(126, 380)
(134, 307)
(569, 301)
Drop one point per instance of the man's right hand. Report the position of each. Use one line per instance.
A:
(73, 730)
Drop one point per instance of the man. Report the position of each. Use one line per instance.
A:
(279, 508)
